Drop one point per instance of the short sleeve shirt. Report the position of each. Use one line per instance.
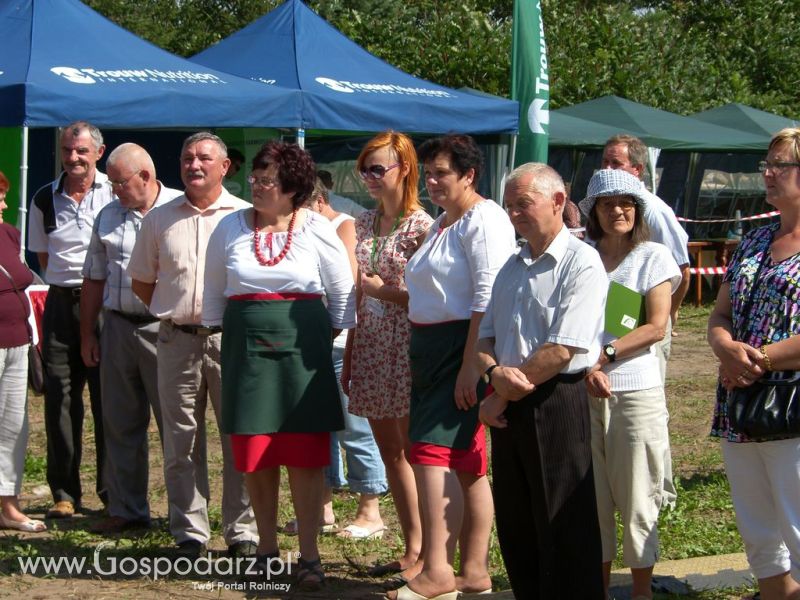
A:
(170, 251)
(66, 246)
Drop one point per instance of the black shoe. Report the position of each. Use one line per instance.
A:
(243, 548)
(191, 549)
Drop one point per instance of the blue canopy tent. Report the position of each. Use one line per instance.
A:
(344, 86)
(62, 61)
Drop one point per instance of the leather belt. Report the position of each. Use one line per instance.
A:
(197, 329)
(135, 318)
(72, 292)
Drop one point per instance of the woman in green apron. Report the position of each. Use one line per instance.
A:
(268, 270)
(449, 283)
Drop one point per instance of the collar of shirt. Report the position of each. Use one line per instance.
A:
(225, 200)
(99, 180)
(557, 248)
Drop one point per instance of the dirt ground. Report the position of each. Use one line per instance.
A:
(690, 387)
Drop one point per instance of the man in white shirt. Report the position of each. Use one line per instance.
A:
(127, 353)
(167, 267)
(629, 153)
(62, 214)
(540, 334)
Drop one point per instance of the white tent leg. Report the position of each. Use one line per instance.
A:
(301, 137)
(22, 221)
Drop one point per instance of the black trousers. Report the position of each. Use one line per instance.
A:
(65, 378)
(544, 496)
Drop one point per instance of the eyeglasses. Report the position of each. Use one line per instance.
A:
(376, 171)
(265, 182)
(124, 182)
(625, 204)
(776, 167)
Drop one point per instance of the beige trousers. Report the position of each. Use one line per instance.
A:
(189, 374)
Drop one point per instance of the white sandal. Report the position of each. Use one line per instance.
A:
(28, 526)
(356, 532)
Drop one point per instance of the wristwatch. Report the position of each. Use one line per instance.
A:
(610, 352)
(487, 374)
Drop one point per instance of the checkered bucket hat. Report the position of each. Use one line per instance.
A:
(612, 182)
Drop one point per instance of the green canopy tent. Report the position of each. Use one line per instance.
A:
(660, 128)
(684, 140)
(745, 118)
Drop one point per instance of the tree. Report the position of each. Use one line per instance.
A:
(679, 55)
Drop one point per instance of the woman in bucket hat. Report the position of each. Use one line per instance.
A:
(630, 440)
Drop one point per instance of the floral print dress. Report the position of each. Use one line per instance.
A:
(380, 374)
(775, 312)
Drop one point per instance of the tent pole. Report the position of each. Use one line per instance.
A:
(301, 137)
(22, 220)
(513, 154)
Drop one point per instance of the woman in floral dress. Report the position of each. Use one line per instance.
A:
(376, 372)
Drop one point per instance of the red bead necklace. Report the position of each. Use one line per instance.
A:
(257, 242)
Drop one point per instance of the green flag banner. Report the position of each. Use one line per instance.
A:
(530, 81)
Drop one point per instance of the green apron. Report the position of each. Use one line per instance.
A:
(436, 353)
(277, 371)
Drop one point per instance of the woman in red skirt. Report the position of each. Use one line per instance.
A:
(268, 270)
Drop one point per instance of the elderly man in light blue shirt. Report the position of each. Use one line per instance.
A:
(539, 335)
(126, 351)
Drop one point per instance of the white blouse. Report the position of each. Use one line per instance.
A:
(452, 273)
(316, 263)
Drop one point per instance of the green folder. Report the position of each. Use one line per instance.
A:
(625, 310)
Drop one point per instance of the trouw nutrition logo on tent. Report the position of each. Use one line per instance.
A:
(91, 76)
(351, 87)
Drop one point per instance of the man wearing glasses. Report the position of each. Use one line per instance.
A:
(167, 266)
(126, 350)
(62, 214)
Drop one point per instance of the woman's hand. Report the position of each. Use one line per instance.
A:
(491, 411)
(598, 384)
(346, 370)
(465, 394)
(739, 362)
(371, 285)
(511, 383)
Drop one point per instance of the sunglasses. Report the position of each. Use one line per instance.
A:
(376, 171)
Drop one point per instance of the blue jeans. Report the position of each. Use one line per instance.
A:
(365, 471)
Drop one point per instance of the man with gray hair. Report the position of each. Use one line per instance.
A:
(126, 351)
(61, 217)
(629, 153)
(167, 268)
(539, 335)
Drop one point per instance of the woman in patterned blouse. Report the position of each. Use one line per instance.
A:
(753, 331)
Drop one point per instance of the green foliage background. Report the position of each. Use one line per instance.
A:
(678, 55)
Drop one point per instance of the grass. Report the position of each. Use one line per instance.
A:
(701, 524)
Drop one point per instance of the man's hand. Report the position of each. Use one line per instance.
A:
(491, 411)
(90, 350)
(598, 384)
(511, 383)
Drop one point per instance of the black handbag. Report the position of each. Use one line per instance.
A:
(769, 409)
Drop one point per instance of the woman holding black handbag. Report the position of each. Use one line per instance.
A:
(14, 340)
(753, 332)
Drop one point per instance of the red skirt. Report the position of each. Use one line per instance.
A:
(269, 450)
(470, 460)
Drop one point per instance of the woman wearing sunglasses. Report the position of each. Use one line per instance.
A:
(449, 283)
(268, 270)
(376, 373)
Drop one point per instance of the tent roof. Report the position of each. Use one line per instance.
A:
(660, 128)
(746, 118)
(567, 130)
(62, 62)
(344, 86)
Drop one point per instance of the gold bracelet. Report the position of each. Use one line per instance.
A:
(767, 361)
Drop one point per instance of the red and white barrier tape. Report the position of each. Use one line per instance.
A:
(707, 270)
(765, 215)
